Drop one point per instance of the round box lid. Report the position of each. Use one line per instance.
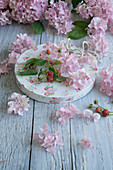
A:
(54, 92)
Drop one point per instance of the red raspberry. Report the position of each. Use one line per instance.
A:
(50, 79)
(58, 73)
(105, 113)
(48, 51)
(50, 76)
(98, 109)
(25, 68)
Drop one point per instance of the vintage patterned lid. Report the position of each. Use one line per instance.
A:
(54, 92)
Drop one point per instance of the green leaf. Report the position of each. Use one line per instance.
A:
(57, 63)
(27, 72)
(62, 78)
(75, 2)
(40, 62)
(54, 71)
(81, 24)
(30, 61)
(79, 31)
(38, 27)
(35, 62)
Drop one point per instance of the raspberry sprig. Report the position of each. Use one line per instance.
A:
(104, 112)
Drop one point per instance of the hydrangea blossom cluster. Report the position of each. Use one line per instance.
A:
(27, 11)
(53, 51)
(4, 67)
(21, 11)
(19, 46)
(66, 112)
(58, 13)
(71, 63)
(5, 17)
(48, 140)
(86, 143)
(59, 16)
(101, 12)
(79, 79)
(4, 4)
(96, 8)
(18, 104)
(106, 80)
(96, 31)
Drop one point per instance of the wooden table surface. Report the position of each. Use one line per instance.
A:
(16, 133)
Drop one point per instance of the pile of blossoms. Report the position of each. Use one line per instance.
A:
(58, 14)
(48, 140)
(57, 64)
(101, 13)
(22, 44)
(106, 80)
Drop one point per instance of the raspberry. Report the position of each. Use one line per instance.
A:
(50, 79)
(25, 68)
(98, 109)
(105, 113)
(50, 76)
(58, 73)
(48, 51)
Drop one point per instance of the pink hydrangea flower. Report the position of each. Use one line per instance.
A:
(96, 8)
(4, 67)
(100, 43)
(88, 59)
(27, 11)
(18, 104)
(66, 112)
(86, 143)
(79, 79)
(19, 46)
(57, 52)
(111, 28)
(48, 140)
(97, 26)
(106, 80)
(59, 16)
(5, 17)
(71, 63)
(13, 56)
(4, 4)
(22, 43)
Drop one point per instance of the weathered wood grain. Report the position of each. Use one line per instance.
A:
(15, 131)
(16, 143)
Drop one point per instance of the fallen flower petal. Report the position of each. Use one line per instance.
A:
(66, 112)
(48, 140)
(18, 104)
(86, 143)
(4, 67)
(96, 117)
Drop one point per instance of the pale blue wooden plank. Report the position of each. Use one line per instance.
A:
(15, 131)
